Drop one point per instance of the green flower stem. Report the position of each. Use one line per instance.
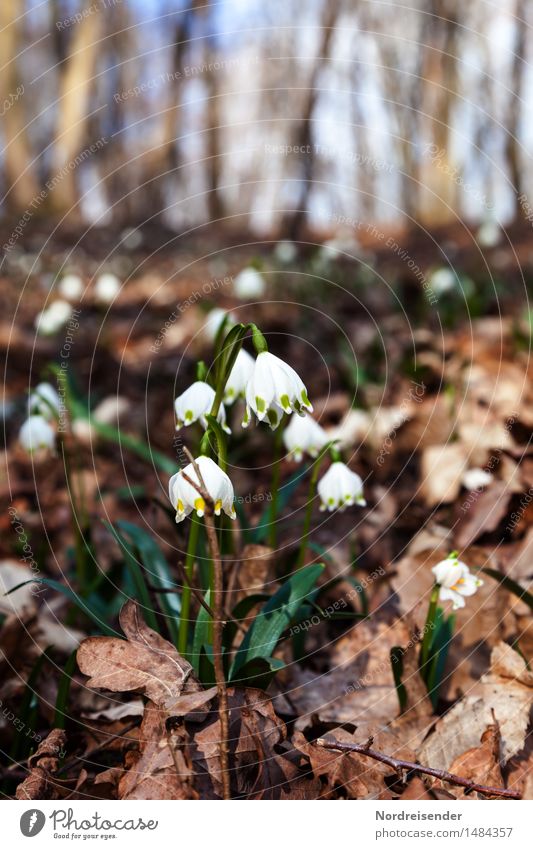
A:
(183, 631)
(276, 480)
(429, 628)
(309, 508)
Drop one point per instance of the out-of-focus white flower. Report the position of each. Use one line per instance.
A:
(285, 251)
(355, 427)
(455, 581)
(193, 404)
(489, 234)
(106, 288)
(213, 321)
(53, 318)
(304, 436)
(71, 287)
(44, 401)
(476, 479)
(340, 488)
(185, 498)
(36, 433)
(239, 377)
(249, 283)
(443, 280)
(274, 385)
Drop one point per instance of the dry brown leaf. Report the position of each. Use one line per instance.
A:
(144, 662)
(484, 513)
(161, 768)
(442, 468)
(505, 694)
(42, 765)
(480, 764)
(360, 686)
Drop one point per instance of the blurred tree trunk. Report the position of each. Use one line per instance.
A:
(515, 103)
(438, 200)
(22, 186)
(294, 223)
(75, 87)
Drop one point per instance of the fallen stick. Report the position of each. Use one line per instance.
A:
(399, 766)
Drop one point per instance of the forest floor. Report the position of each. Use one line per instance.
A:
(420, 385)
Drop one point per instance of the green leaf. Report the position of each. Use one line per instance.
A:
(276, 615)
(259, 671)
(134, 567)
(510, 585)
(286, 492)
(156, 566)
(396, 659)
(200, 656)
(87, 606)
(63, 691)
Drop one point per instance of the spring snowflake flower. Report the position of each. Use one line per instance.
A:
(443, 280)
(53, 318)
(340, 488)
(274, 386)
(193, 405)
(476, 479)
(304, 436)
(239, 377)
(213, 321)
(185, 498)
(455, 581)
(36, 433)
(249, 283)
(44, 401)
(71, 287)
(106, 288)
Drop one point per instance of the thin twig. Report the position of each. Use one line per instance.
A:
(399, 765)
(218, 624)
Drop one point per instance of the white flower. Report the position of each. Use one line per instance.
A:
(106, 288)
(340, 488)
(455, 581)
(37, 433)
(193, 404)
(274, 385)
(44, 401)
(443, 280)
(285, 251)
(249, 283)
(185, 498)
(476, 479)
(304, 436)
(213, 321)
(239, 377)
(71, 287)
(489, 234)
(52, 319)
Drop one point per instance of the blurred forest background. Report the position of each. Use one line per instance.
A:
(270, 116)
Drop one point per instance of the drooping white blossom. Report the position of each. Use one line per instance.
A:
(185, 497)
(36, 434)
(71, 287)
(249, 283)
(455, 581)
(476, 478)
(193, 405)
(340, 488)
(304, 435)
(274, 385)
(213, 322)
(44, 401)
(53, 318)
(107, 287)
(239, 377)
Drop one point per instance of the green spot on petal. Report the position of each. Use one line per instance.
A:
(285, 403)
(272, 417)
(189, 415)
(305, 399)
(260, 404)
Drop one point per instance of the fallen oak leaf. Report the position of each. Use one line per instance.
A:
(42, 765)
(145, 662)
